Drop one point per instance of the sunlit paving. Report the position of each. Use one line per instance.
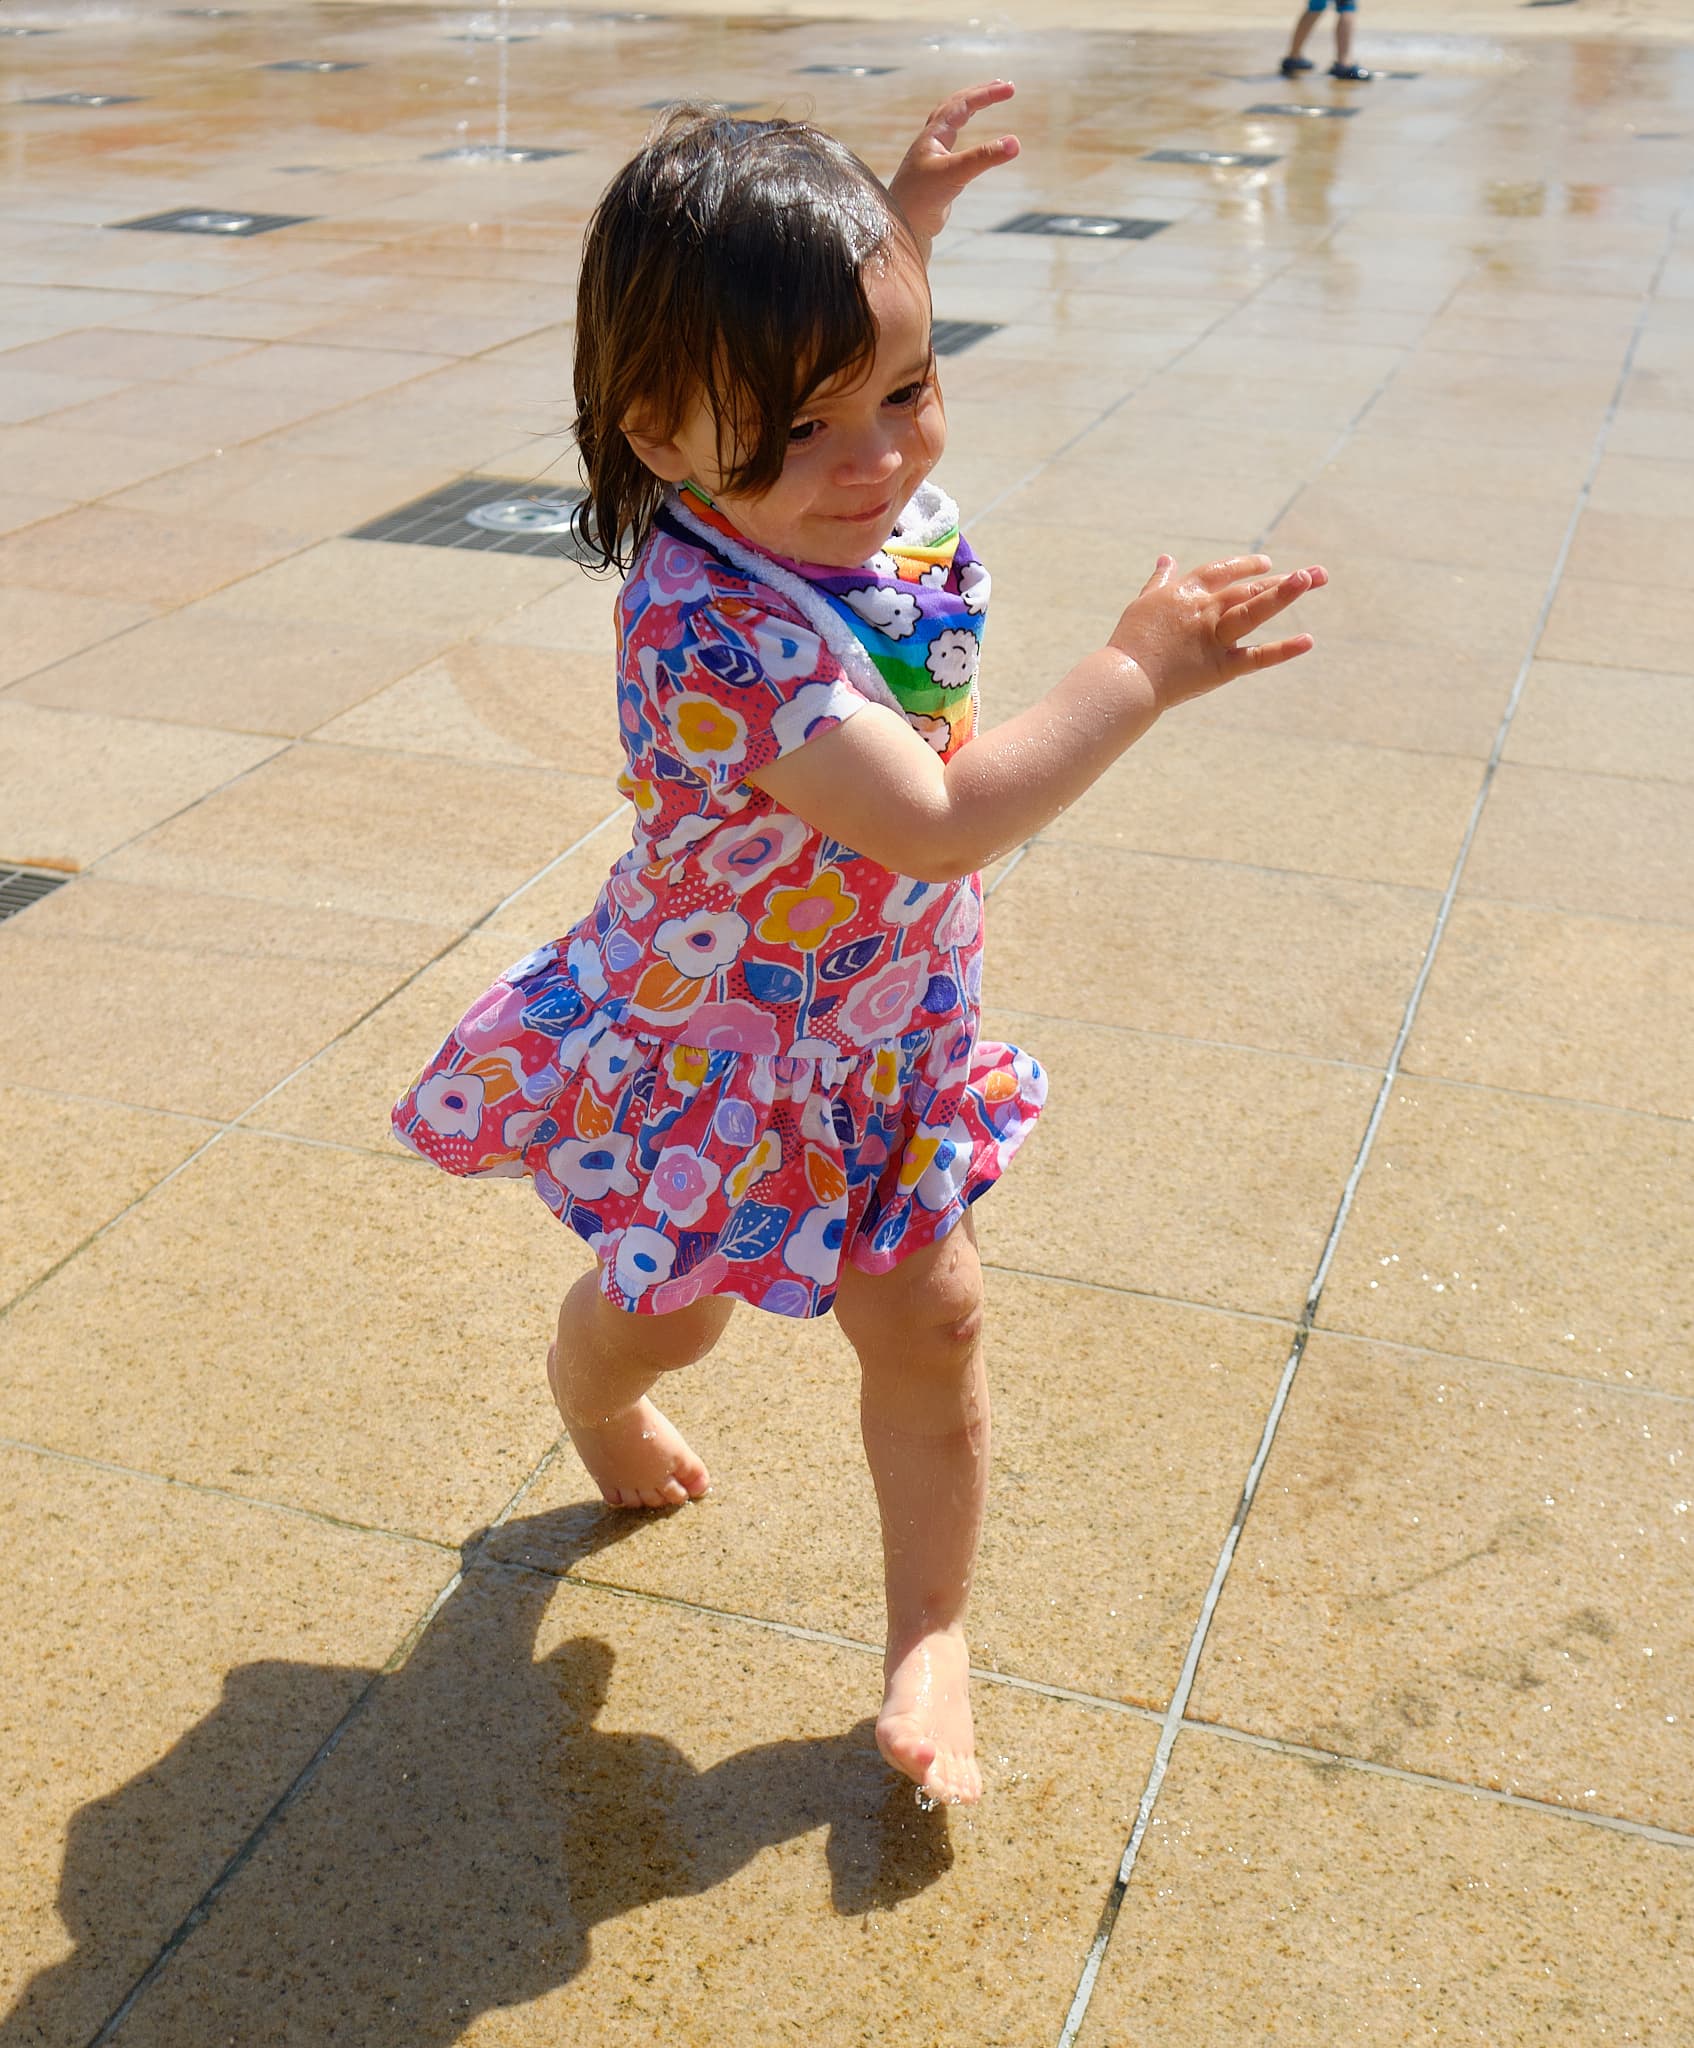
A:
(894, 889)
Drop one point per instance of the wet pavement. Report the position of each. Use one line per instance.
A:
(1334, 1620)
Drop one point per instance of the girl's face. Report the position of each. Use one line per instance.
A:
(857, 452)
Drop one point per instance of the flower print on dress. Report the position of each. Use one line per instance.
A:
(702, 943)
(592, 1168)
(882, 1006)
(582, 960)
(960, 922)
(712, 737)
(785, 652)
(811, 710)
(735, 1026)
(681, 1185)
(451, 1104)
(806, 916)
(643, 1259)
(675, 573)
(974, 587)
(814, 1247)
(741, 855)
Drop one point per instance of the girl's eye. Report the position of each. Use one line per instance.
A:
(802, 431)
(908, 394)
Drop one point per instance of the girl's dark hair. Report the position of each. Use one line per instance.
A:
(724, 261)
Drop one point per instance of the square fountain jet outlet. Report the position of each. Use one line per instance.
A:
(312, 64)
(847, 70)
(1101, 227)
(188, 220)
(953, 337)
(493, 153)
(496, 514)
(1226, 159)
(1296, 112)
(85, 99)
(20, 887)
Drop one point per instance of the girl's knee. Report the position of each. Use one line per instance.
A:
(929, 1309)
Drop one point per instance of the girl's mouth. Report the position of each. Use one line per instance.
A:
(870, 518)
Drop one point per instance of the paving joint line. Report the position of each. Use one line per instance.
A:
(202, 1908)
(229, 1493)
(567, 1576)
(1549, 1809)
(1177, 1713)
(239, 1122)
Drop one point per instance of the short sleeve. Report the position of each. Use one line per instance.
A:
(745, 686)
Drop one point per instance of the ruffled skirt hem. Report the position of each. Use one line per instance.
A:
(694, 1171)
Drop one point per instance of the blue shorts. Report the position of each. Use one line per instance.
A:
(1341, 6)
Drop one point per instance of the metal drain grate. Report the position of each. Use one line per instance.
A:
(493, 153)
(683, 99)
(848, 70)
(1096, 226)
(85, 99)
(189, 220)
(495, 514)
(312, 64)
(953, 337)
(1228, 159)
(1296, 112)
(20, 887)
(29, 31)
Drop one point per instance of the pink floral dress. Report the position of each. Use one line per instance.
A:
(758, 1054)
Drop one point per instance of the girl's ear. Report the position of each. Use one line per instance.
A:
(663, 456)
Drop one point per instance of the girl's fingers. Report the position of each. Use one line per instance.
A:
(952, 114)
(965, 164)
(1256, 602)
(1218, 575)
(1161, 575)
(1274, 651)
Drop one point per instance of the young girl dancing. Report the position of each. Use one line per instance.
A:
(752, 1072)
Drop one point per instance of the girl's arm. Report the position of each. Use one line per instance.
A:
(876, 786)
(932, 173)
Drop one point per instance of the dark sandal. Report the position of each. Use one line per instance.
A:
(1356, 73)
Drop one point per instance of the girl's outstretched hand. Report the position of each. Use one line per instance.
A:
(933, 172)
(1184, 631)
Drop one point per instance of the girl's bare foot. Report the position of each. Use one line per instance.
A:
(637, 1458)
(925, 1727)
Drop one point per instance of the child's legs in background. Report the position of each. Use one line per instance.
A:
(1303, 28)
(600, 1370)
(1343, 31)
(923, 1410)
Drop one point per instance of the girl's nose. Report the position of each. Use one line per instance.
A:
(870, 458)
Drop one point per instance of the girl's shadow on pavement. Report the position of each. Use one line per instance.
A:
(454, 1850)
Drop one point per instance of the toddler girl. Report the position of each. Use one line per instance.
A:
(752, 1072)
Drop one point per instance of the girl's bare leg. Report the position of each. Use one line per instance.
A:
(924, 1413)
(600, 1369)
(1343, 38)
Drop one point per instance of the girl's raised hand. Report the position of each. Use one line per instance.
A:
(933, 172)
(1184, 631)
